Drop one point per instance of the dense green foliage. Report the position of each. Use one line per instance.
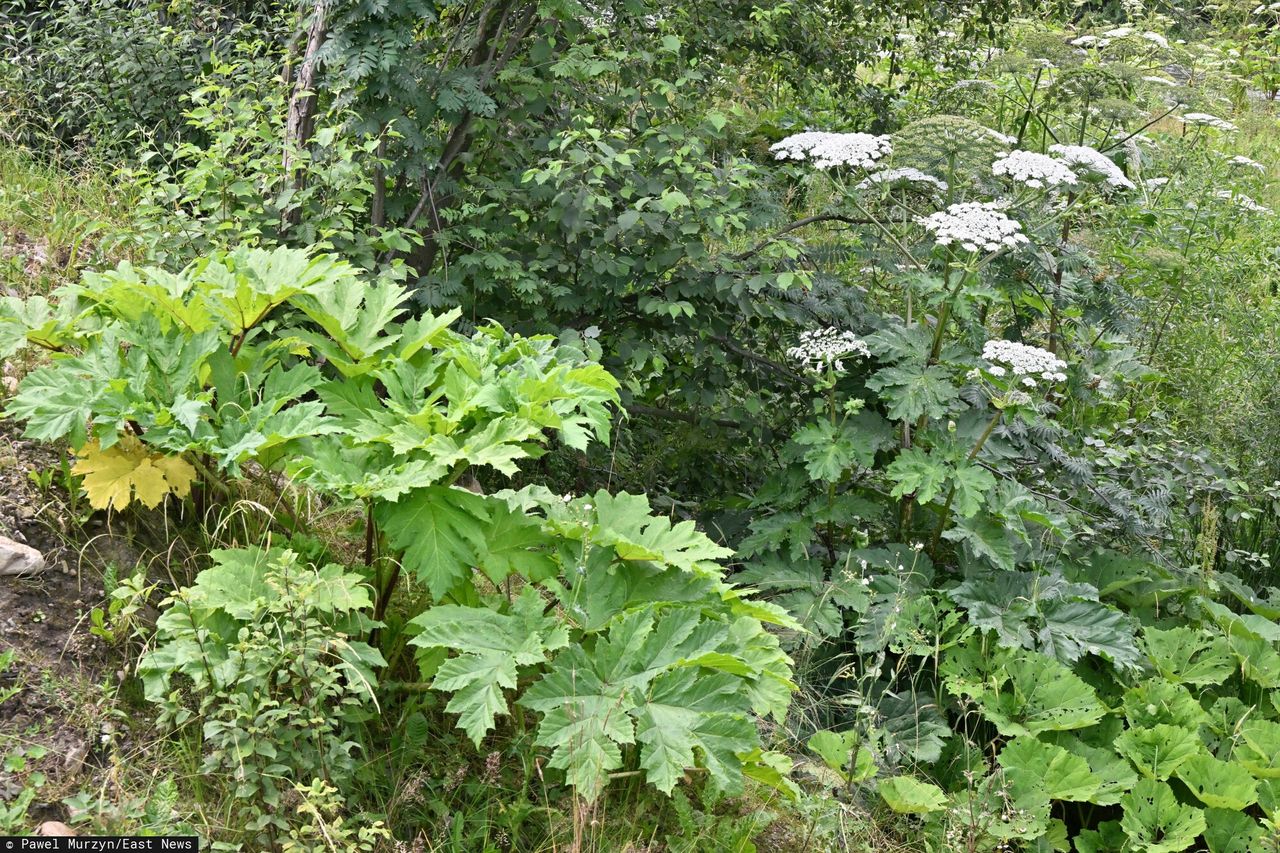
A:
(852, 410)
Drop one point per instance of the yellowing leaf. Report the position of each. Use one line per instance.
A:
(128, 471)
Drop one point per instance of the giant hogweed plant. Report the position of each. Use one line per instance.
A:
(612, 629)
(936, 528)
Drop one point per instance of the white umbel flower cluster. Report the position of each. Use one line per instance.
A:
(1241, 160)
(1206, 120)
(1028, 362)
(819, 349)
(1038, 171)
(824, 150)
(975, 225)
(1092, 162)
(1242, 201)
(907, 175)
(1156, 39)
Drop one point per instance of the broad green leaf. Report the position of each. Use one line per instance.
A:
(834, 749)
(595, 702)
(625, 522)
(492, 646)
(1260, 751)
(1156, 822)
(831, 449)
(1259, 661)
(907, 795)
(971, 484)
(986, 539)
(1107, 838)
(914, 730)
(1114, 775)
(1188, 656)
(426, 331)
(1218, 784)
(238, 583)
(684, 710)
(1022, 693)
(1231, 831)
(57, 402)
(1159, 751)
(1003, 602)
(441, 532)
(1075, 628)
(516, 543)
(1236, 624)
(914, 389)
(1155, 701)
(915, 472)
(772, 769)
(1030, 764)
(355, 317)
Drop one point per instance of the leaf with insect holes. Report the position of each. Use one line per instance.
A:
(1031, 764)
(1231, 831)
(1156, 822)
(1159, 751)
(1021, 692)
(1218, 784)
(1188, 656)
(127, 471)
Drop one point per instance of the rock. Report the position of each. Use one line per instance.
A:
(74, 758)
(54, 827)
(19, 559)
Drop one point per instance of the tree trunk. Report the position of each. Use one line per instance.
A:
(302, 107)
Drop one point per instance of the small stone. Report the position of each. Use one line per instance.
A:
(19, 559)
(74, 759)
(54, 827)
(10, 385)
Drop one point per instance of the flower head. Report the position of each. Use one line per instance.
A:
(825, 150)
(1242, 201)
(1038, 171)
(1030, 363)
(819, 349)
(1241, 160)
(975, 225)
(1156, 39)
(1206, 120)
(906, 175)
(1089, 162)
